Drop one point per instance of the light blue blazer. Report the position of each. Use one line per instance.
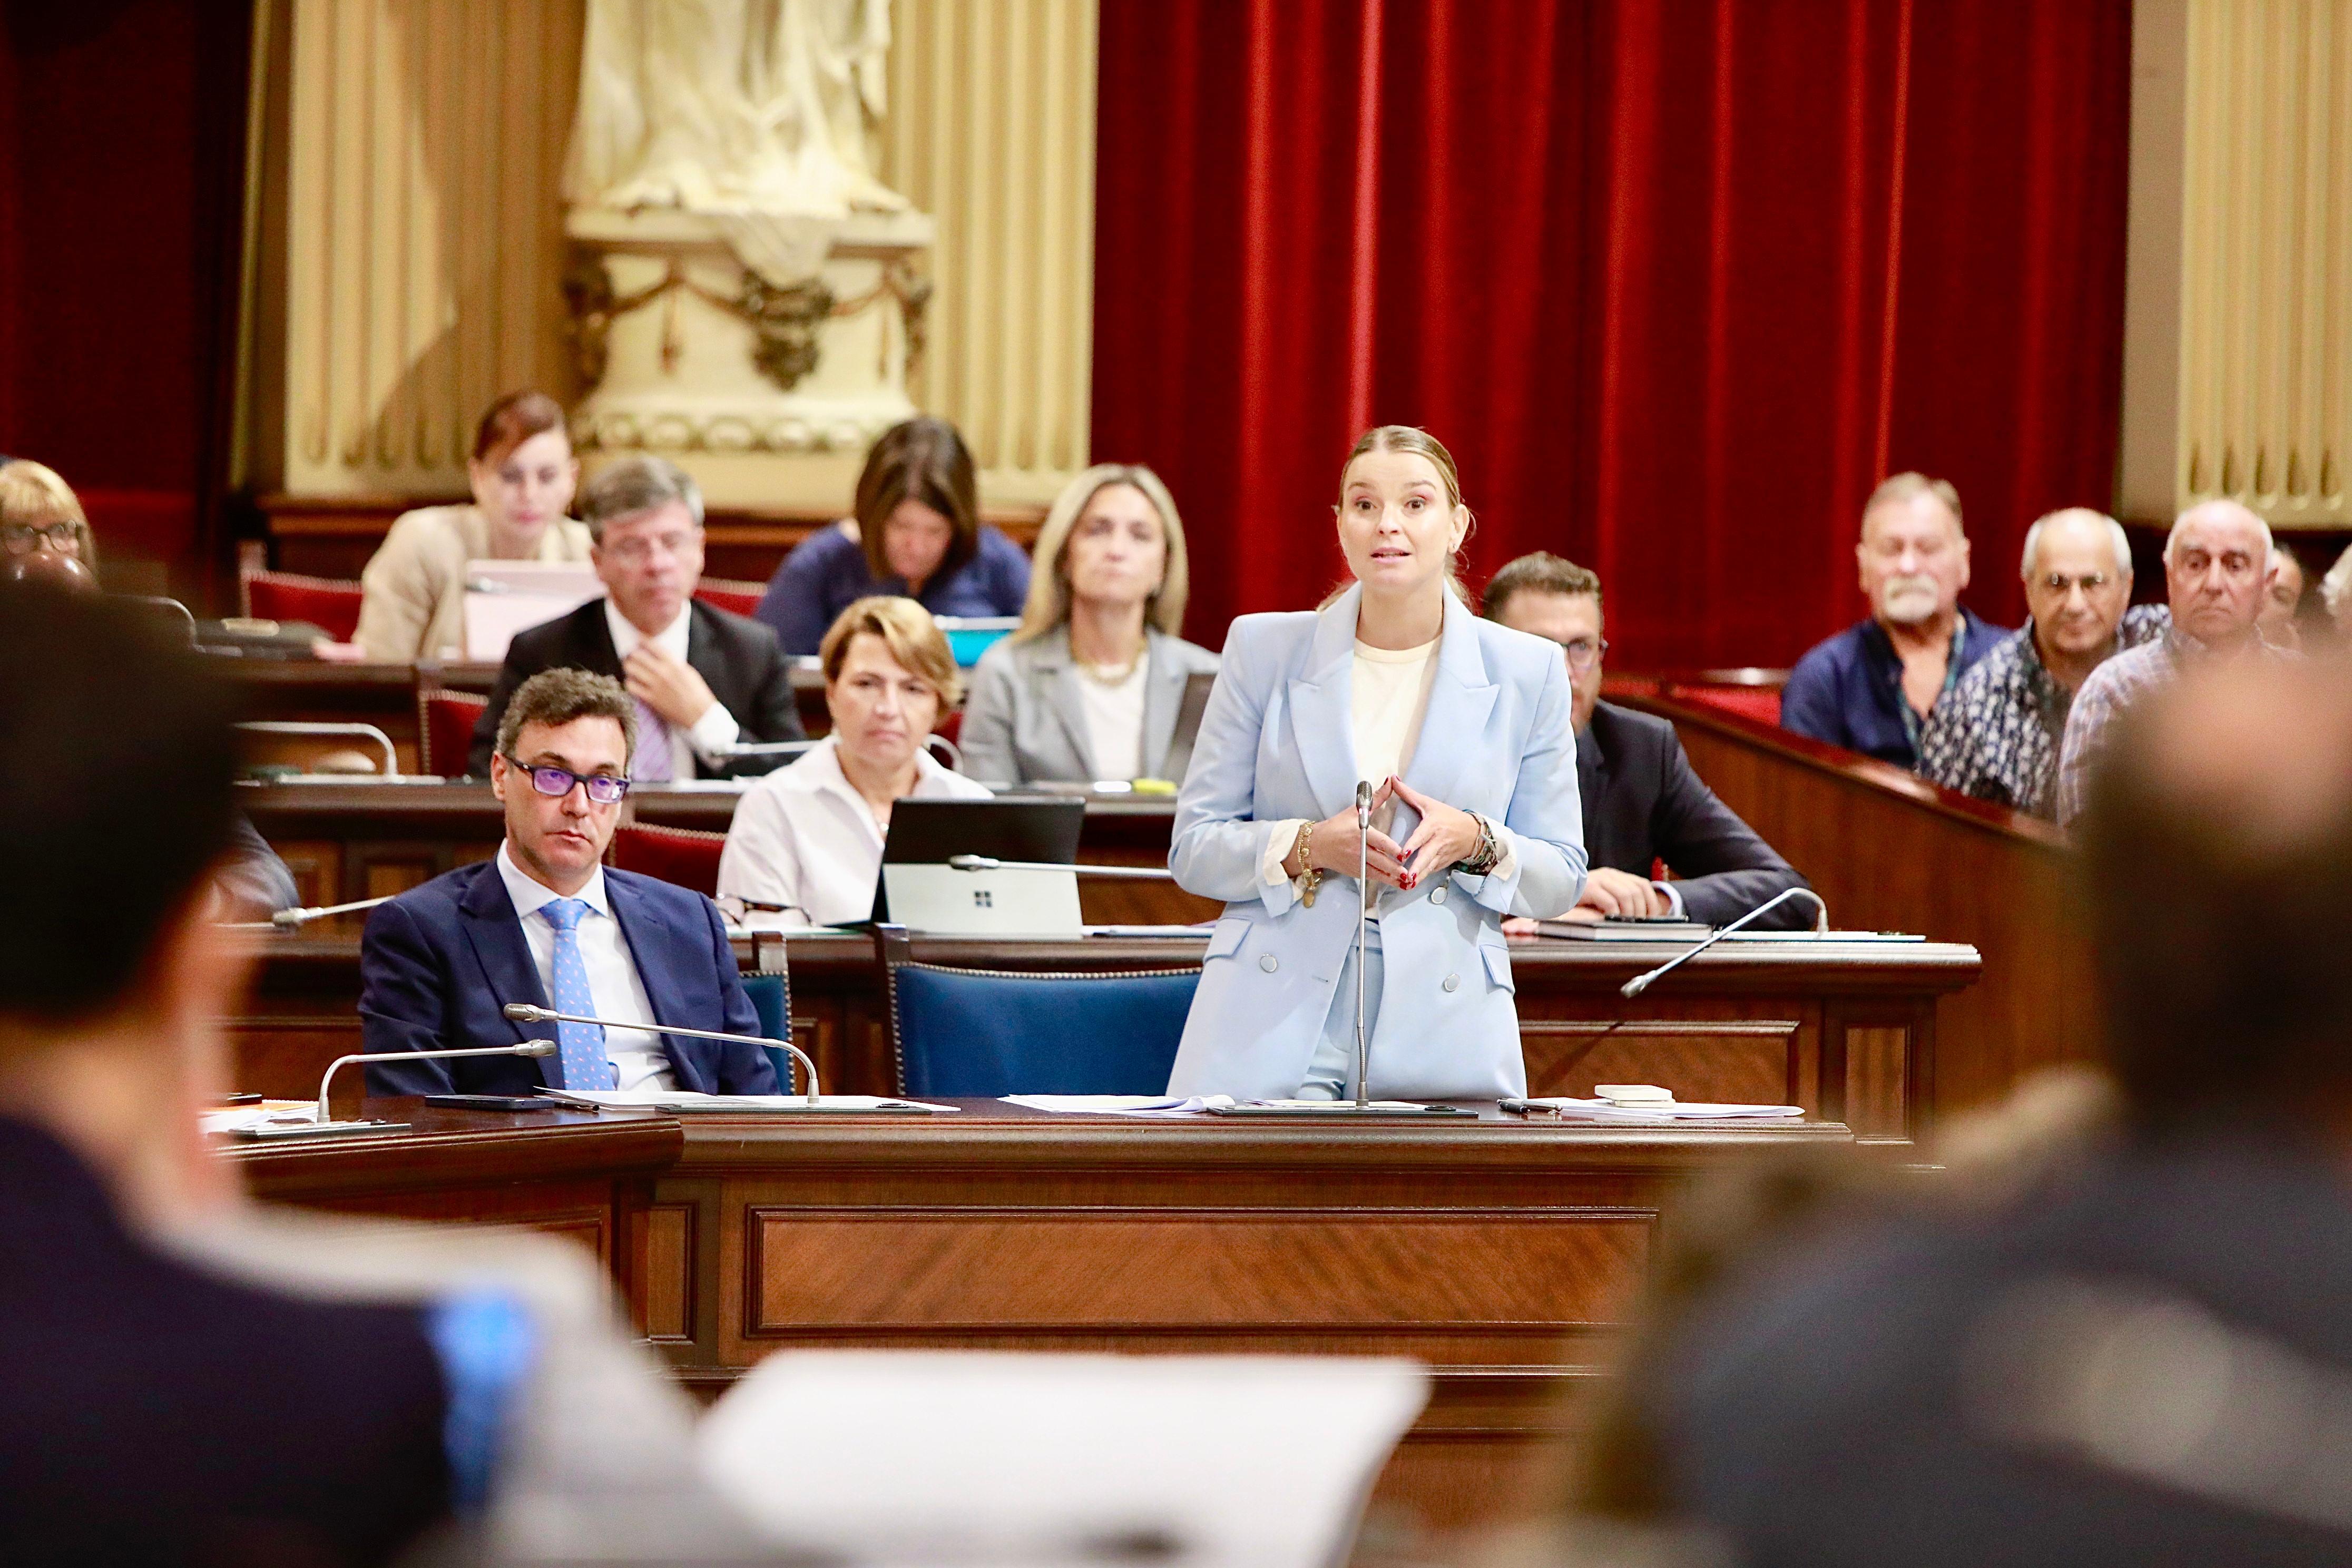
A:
(1276, 742)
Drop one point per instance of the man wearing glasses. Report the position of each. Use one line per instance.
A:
(1997, 737)
(545, 922)
(1642, 802)
(699, 679)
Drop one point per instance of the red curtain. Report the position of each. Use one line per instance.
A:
(1676, 280)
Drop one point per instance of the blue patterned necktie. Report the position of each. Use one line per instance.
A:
(654, 763)
(585, 1065)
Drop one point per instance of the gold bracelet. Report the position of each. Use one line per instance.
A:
(1303, 844)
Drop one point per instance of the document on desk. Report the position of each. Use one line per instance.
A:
(1120, 1104)
(904, 1457)
(1668, 1111)
(684, 1102)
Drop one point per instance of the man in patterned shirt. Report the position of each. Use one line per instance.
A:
(1997, 736)
(2217, 571)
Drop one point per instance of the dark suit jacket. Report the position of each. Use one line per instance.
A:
(736, 657)
(438, 964)
(156, 1412)
(1642, 803)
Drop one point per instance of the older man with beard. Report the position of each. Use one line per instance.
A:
(1997, 736)
(1872, 688)
(2217, 575)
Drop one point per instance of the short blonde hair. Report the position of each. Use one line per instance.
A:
(1048, 604)
(907, 630)
(1909, 486)
(35, 493)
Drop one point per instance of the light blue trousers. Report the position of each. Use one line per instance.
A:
(1331, 1071)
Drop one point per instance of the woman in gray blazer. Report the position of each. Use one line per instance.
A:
(1089, 685)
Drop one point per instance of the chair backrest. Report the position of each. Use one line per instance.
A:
(331, 604)
(991, 1033)
(741, 598)
(444, 728)
(1761, 703)
(685, 856)
(771, 998)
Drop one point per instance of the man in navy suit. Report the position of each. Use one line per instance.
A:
(545, 922)
(1642, 803)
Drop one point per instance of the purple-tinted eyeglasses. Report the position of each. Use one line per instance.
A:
(602, 788)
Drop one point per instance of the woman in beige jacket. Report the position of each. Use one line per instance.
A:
(523, 475)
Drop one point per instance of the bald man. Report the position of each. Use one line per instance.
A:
(2217, 573)
(1997, 736)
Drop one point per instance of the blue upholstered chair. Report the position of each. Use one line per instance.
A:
(771, 998)
(984, 1032)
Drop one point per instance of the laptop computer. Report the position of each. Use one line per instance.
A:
(919, 889)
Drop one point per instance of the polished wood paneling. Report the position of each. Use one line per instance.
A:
(1888, 851)
(661, 1239)
(1748, 1061)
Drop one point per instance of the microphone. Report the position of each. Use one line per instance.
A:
(303, 727)
(1131, 873)
(294, 919)
(321, 1122)
(524, 1012)
(1363, 919)
(1640, 982)
(736, 750)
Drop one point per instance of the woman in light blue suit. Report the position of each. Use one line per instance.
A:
(1462, 726)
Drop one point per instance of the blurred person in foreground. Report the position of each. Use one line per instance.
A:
(187, 1377)
(1642, 802)
(1089, 685)
(701, 677)
(48, 543)
(1997, 736)
(2136, 1350)
(1872, 688)
(2217, 569)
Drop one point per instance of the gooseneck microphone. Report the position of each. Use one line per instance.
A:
(1363, 919)
(524, 1012)
(296, 918)
(1129, 873)
(1640, 982)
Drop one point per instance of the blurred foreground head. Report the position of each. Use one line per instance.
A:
(2218, 855)
(114, 802)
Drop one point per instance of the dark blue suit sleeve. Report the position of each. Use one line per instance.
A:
(404, 1002)
(796, 606)
(742, 1070)
(1725, 869)
(1008, 568)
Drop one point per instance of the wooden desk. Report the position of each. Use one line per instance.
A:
(576, 1175)
(1506, 1255)
(1849, 1032)
(1888, 850)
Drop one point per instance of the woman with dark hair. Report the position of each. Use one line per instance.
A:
(916, 534)
(523, 475)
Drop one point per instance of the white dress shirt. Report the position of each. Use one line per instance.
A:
(803, 837)
(612, 979)
(1114, 711)
(716, 728)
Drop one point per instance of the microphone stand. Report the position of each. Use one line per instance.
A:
(323, 1125)
(525, 1012)
(357, 731)
(1129, 873)
(1640, 982)
(294, 919)
(1363, 919)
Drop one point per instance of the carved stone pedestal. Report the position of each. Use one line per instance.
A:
(768, 395)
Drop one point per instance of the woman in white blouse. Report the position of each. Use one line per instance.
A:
(1462, 727)
(809, 836)
(1089, 685)
(523, 474)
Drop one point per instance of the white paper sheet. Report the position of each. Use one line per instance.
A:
(945, 1456)
(1675, 1111)
(1120, 1104)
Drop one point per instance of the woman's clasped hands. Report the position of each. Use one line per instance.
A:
(1444, 837)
